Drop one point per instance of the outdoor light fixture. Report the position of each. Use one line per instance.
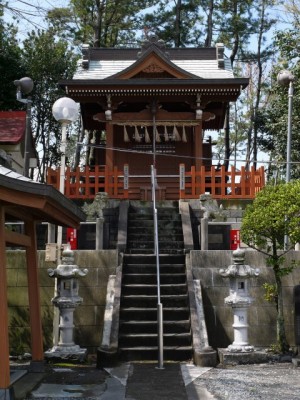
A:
(65, 111)
(25, 86)
(286, 78)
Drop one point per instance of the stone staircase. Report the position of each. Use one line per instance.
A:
(138, 339)
(140, 239)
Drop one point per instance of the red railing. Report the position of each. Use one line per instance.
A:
(222, 184)
(84, 183)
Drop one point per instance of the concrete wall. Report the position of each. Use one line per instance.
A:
(261, 314)
(88, 317)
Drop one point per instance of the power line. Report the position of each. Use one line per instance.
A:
(132, 151)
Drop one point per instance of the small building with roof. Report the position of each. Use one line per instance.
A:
(154, 106)
(12, 140)
(22, 199)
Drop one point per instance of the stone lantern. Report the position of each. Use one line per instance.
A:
(66, 300)
(239, 299)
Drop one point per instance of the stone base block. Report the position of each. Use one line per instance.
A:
(205, 357)
(255, 357)
(78, 354)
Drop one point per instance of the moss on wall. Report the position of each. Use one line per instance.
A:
(88, 317)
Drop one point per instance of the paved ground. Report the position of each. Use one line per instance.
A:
(143, 381)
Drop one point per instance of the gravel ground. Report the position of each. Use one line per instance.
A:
(278, 381)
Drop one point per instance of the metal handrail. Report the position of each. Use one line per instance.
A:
(156, 252)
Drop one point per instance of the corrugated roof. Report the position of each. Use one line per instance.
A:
(12, 126)
(102, 69)
(15, 175)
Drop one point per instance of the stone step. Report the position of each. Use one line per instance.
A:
(161, 224)
(146, 251)
(151, 279)
(182, 326)
(180, 300)
(170, 353)
(150, 339)
(151, 268)
(150, 314)
(174, 217)
(148, 289)
(151, 259)
(146, 237)
(163, 244)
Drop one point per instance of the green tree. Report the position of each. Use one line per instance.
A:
(178, 23)
(234, 30)
(105, 23)
(11, 66)
(273, 215)
(273, 119)
(47, 61)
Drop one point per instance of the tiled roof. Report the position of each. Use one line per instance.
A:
(203, 63)
(12, 126)
(102, 69)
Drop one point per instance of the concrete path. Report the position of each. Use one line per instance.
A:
(143, 381)
(129, 381)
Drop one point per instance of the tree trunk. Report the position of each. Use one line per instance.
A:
(227, 138)
(209, 33)
(178, 24)
(281, 335)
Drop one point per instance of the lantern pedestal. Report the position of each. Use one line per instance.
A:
(66, 301)
(239, 300)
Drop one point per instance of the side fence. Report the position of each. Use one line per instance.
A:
(84, 183)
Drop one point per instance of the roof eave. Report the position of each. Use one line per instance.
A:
(70, 212)
(118, 83)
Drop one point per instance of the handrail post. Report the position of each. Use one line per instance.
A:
(156, 252)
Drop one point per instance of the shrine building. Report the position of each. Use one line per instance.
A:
(153, 106)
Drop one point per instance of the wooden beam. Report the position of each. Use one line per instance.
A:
(16, 238)
(18, 213)
(4, 342)
(23, 199)
(34, 295)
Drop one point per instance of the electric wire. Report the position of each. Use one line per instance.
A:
(158, 153)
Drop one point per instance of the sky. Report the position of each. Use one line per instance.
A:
(31, 13)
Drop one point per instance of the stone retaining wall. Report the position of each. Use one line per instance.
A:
(88, 317)
(261, 314)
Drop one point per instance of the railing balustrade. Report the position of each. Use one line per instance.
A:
(84, 183)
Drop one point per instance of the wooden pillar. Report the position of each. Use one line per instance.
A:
(4, 342)
(34, 295)
(198, 148)
(109, 154)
